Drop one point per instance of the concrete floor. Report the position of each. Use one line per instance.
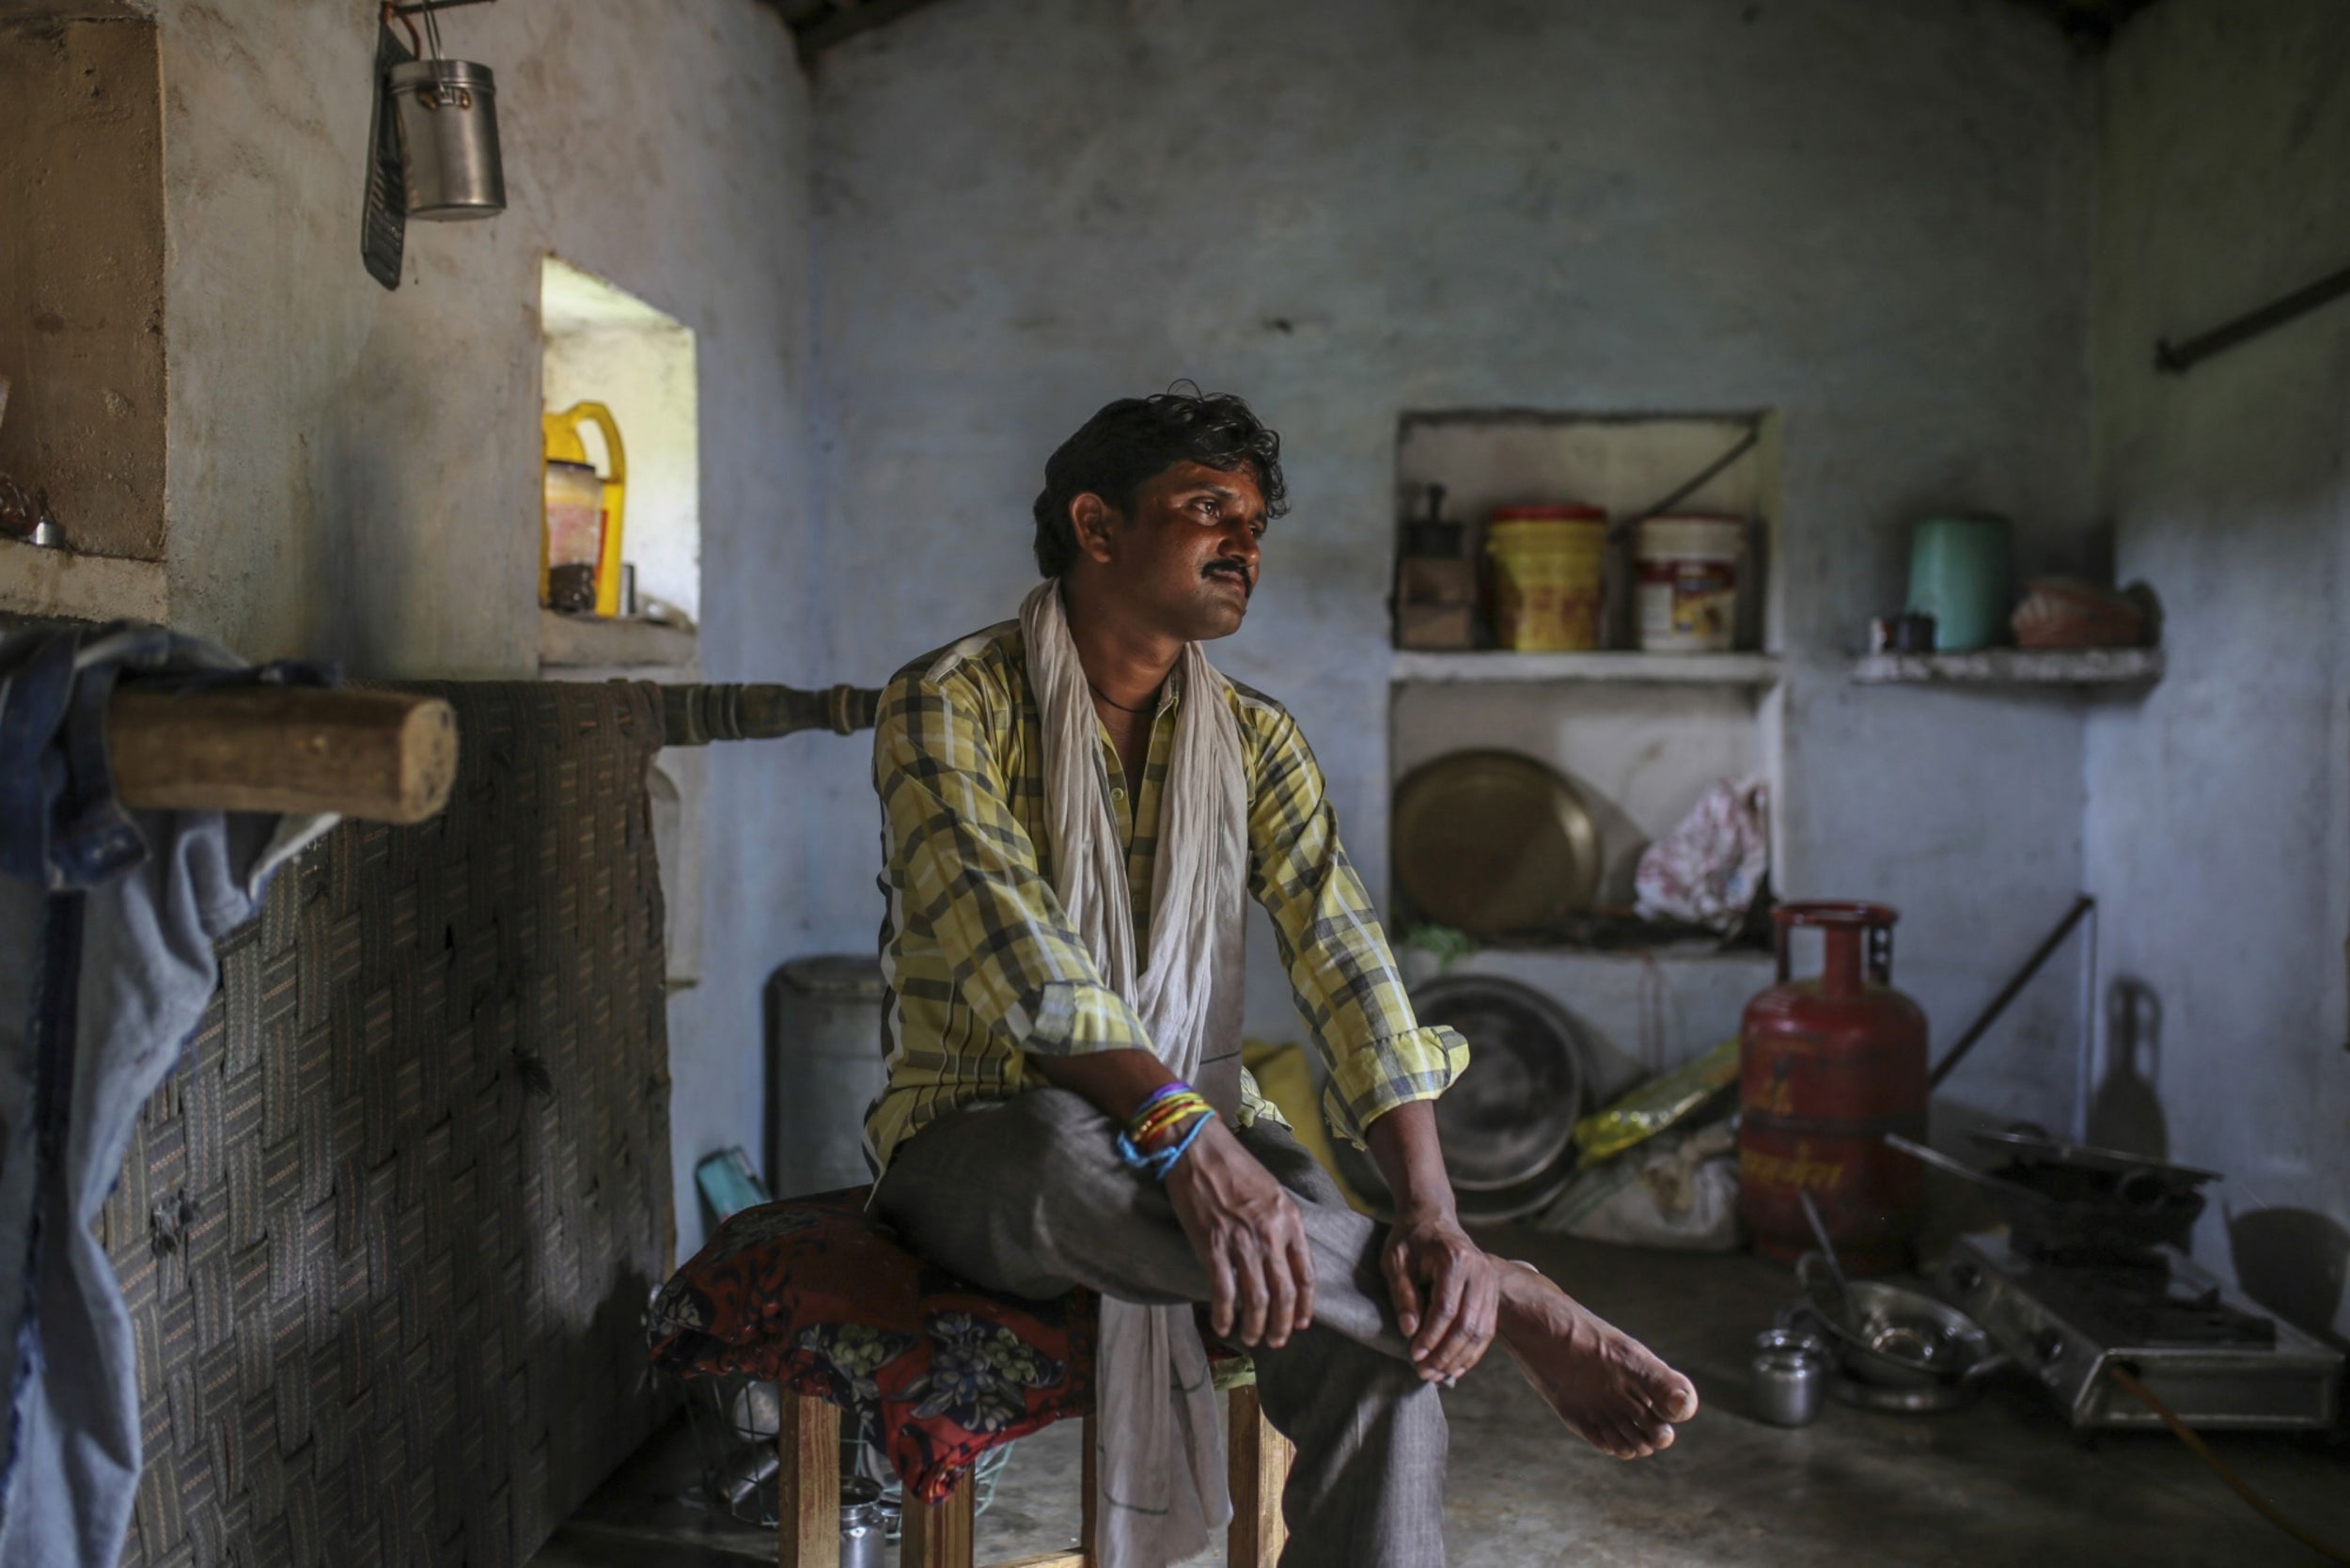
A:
(2000, 1484)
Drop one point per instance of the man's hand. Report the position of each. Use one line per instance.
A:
(1448, 1297)
(1447, 1294)
(1245, 1226)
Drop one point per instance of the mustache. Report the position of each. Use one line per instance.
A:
(1233, 563)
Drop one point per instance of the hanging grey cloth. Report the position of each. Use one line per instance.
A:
(107, 926)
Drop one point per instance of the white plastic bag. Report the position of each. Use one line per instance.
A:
(1708, 869)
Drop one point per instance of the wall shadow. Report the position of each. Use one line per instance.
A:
(2124, 1110)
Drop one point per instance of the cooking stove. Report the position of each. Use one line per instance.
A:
(2198, 1347)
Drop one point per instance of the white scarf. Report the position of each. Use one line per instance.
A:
(1160, 1470)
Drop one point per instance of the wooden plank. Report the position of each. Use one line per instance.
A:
(807, 1484)
(1047, 1560)
(65, 584)
(1260, 1459)
(937, 1535)
(385, 755)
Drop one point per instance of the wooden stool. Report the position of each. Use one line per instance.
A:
(938, 1535)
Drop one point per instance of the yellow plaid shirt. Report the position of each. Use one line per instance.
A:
(981, 963)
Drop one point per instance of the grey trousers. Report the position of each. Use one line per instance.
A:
(1028, 1195)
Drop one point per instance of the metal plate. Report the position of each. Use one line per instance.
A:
(1494, 843)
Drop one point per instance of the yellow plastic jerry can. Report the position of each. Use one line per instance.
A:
(563, 446)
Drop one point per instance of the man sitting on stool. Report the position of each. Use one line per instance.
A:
(1072, 803)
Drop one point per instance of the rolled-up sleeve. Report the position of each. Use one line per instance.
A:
(1348, 987)
(965, 877)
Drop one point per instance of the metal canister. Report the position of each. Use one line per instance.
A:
(1790, 1376)
(824, 1068)
(863, 1525)
(1826, 1067)
(446, 116)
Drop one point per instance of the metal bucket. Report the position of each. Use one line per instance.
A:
(447, 112)
(823, 1069)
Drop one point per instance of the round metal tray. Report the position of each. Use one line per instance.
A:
(1494, 843)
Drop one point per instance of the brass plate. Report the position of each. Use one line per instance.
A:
(1495, 843)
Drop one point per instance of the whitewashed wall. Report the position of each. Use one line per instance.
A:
(355, 474)
(2219, 808)
(1873, 218)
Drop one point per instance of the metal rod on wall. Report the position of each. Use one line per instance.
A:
(2022, 977)
(2178, 358)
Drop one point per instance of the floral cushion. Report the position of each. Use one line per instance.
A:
(817, 1295)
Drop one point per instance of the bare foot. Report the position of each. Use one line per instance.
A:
(1605, 1385)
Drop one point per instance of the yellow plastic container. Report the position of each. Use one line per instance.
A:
(560, 433)
(1549, 571)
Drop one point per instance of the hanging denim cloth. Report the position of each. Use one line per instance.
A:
(107, 926)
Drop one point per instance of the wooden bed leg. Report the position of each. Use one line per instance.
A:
(1086, 1555)
(807, 1482)
(1259, 1469)
(937, 1535)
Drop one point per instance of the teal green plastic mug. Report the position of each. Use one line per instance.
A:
(1958, 573)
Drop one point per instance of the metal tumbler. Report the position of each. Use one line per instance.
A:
(1789, 1377)
(447, 113)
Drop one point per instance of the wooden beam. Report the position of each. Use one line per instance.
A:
(807, 1483)
(384, 755)
(697, 714)
(937, 1535)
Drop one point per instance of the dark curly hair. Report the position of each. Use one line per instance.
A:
(1133, 440)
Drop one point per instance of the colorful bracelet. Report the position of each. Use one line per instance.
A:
(1169, 1113)
(1160, 1164)
(1172, 1087)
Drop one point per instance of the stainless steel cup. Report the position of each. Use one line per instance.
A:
(447, 117)
(1790, 1376)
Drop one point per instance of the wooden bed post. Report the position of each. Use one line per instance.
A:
(1260, 1461)
(807, 1482)
(937, 1535)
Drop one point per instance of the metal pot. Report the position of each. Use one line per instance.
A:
(447, 115)
(1509, 1123)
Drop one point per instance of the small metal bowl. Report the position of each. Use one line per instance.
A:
(1894, 1349)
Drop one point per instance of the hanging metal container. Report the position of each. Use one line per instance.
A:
(1826, 1067)
(447, 113)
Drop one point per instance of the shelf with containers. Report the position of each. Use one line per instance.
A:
(1639, 736)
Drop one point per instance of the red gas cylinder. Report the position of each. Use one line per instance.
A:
(1826, 1067)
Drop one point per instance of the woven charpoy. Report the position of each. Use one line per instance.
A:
(388, 1235)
